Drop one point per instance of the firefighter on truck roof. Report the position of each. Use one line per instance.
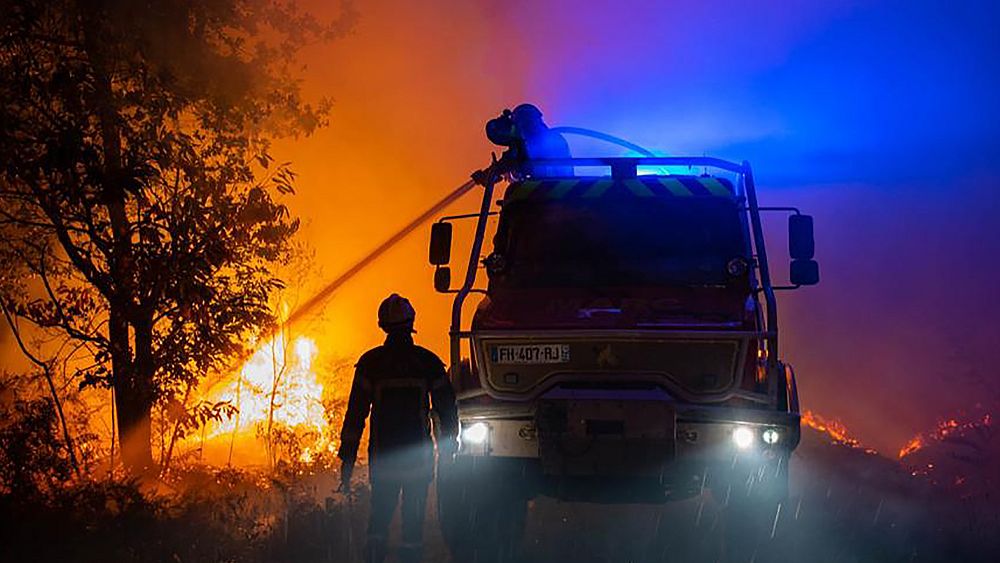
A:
(398, 383)
(523, 130)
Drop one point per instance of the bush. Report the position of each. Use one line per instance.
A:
(33, 460)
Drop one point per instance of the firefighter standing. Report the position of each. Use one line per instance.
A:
(394, 382)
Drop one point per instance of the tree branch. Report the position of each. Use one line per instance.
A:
(72, 251)
(47, 372)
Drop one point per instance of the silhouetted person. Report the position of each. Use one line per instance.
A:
(524, 131)
(398, 382)
(540, 141)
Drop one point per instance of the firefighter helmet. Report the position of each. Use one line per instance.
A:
(395, 312)
(527, 111)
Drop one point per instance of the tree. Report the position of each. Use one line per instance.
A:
(136, 185)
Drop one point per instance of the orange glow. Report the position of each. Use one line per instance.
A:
(944, 429)
(913, 445)
(297, 391)
(277, 387)
(834, 429)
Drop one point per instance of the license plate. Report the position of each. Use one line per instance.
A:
(530, 354)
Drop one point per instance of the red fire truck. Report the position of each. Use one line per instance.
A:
(625, 347)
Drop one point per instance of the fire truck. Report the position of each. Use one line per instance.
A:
(625, 346)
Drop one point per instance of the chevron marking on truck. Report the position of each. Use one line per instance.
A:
(598, 189)
(523, 190)
(675, 186)
(714, 186)
(643, 186)
(638, 188)
(562, 188)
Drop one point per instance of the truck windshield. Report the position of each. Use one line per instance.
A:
(614, 243)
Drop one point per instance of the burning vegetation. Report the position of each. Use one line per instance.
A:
(834, 430)
(949, 430)
(144, 232)
(278, 399)
(145, 235)
(958, 455)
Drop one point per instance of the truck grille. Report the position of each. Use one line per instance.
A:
(697, 366)
(592, 438)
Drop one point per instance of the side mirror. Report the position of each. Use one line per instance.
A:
(801, 245)
(804, 272)
(440, 252)
(442, 279)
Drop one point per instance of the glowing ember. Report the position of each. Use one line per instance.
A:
(834, 429)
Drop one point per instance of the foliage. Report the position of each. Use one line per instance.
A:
(35, 458)
(203, 514)
(33, 461)
(137, 189)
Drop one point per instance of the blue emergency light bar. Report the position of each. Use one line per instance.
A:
(626, 167)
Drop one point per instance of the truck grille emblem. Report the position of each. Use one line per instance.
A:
(606, 357)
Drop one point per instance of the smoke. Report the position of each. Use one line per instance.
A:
(877, 118)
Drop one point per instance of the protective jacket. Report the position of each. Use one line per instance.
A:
(400, 384)
(542, 142)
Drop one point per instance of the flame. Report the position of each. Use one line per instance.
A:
(913, 445)
(277, 384)
(834, 429)
(944, 429)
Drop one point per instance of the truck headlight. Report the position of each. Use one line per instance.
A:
(476, 433)
(771, 436)
(743, 437)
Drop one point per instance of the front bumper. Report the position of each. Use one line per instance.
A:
(717, 449)
(686, 435)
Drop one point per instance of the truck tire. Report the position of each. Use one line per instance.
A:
(482, 515)
(751, 498)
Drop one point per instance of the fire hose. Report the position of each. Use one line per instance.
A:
(498, 167)
(507, 163)
(328, 290)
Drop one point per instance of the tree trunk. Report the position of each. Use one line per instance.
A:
(132, 379)
(143, 370)
(134, 422)
(134, 430)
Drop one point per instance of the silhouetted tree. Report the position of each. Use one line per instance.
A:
(136, 185)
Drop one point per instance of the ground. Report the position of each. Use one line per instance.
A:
(845, 505)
